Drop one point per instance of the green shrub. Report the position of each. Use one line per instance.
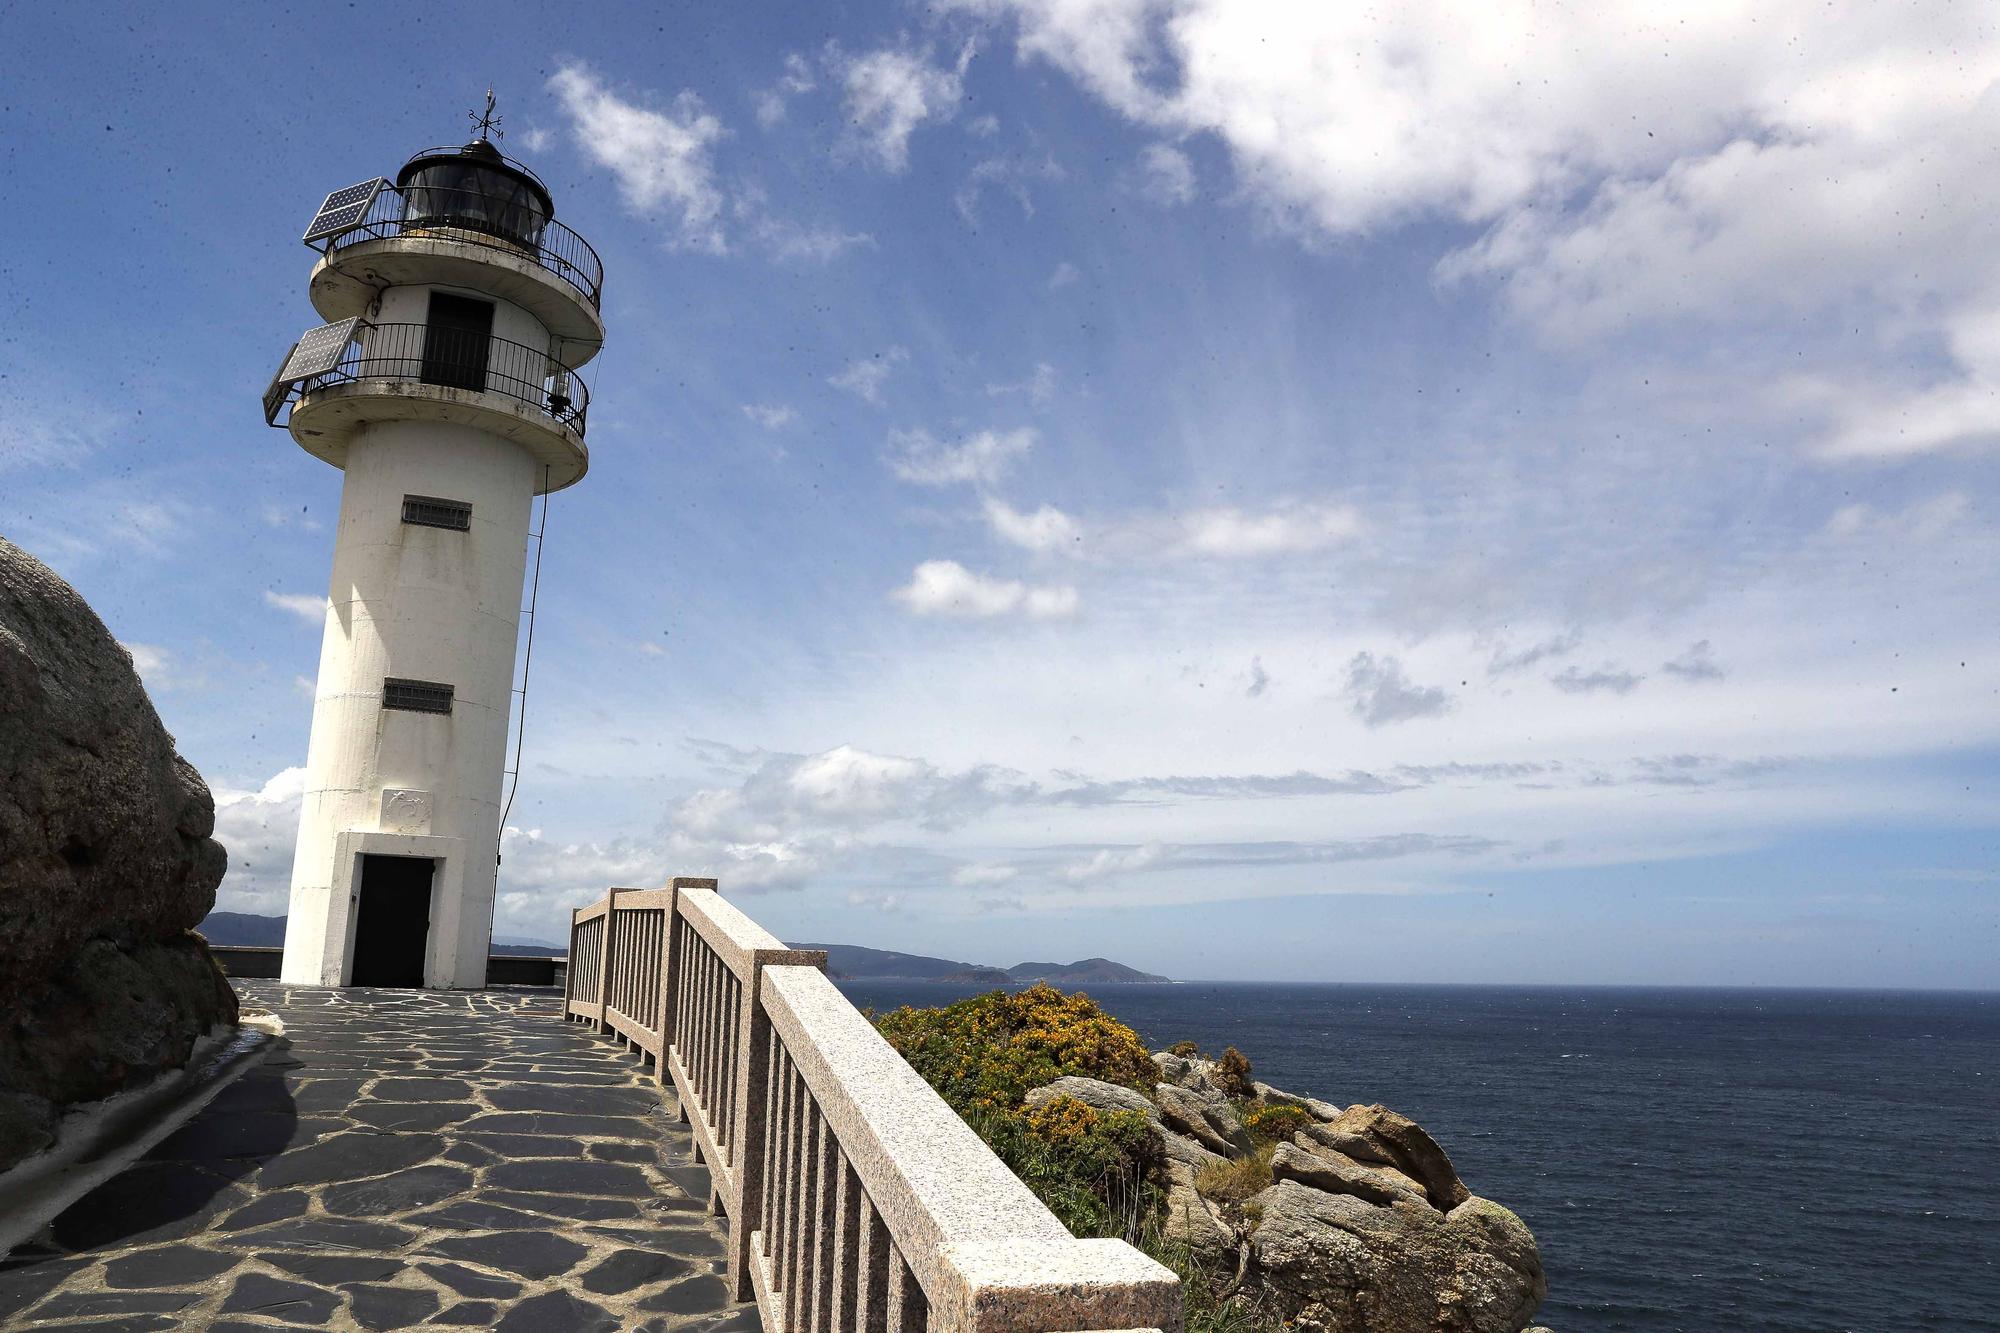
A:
(1274, 1123)
(1098, 1171)
(990, 1051)
(1186, 1050)
(1232, 1073)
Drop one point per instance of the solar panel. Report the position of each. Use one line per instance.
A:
(343, 210)
(318, 351)
(280, 388)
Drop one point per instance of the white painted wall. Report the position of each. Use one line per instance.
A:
(426, 604)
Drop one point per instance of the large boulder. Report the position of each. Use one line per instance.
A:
(1377, 1134)
(1194, 1222)
(106, 866)
(1336, 1263)
(1175, 1149)
(1092, 1092)
(1312, 1106)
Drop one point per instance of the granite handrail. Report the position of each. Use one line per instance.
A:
(855, 1197)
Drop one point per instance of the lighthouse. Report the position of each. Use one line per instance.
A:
(444, 386)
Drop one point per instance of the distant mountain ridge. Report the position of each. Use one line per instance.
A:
(250, 930)
(854, 962)
(845, 961)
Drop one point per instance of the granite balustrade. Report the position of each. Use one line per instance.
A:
(853, 1197)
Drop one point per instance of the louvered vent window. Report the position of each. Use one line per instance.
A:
(427, 511)
(416, 696)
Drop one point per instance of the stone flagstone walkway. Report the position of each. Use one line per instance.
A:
(404, 1159)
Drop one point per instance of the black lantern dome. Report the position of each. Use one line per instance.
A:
(474, 188)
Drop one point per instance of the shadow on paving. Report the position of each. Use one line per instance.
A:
(402, 1159)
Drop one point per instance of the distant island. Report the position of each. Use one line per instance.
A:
(852, 962)
(845, 962)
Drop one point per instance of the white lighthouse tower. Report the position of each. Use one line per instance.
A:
(444, 386)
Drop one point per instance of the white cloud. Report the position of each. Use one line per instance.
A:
(1506, 660)
(1166, 174)
(1260, 679)
(919, 457)
(983, 874)
(1921, 521)
(1109, 861)
(797, 80)
(770, 416)
(947, 588)
(1064, 275)
(1696, 664)
(1733, 164)
(259, 829)
(788, 241)
(1011, 175)
(542, 878)
(1607, 679)
(283, 516)
(305, 606)
(1232, 532)
(660, 158)
(1040, 386)
(52, 434)
(1047, 529)
(864, 378)
(154, 664)
(889, 93)
(149, 524)
(1380, 692)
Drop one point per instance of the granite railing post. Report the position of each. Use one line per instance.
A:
(753, 1073)
(569, 973)
(669, 959)
(609, 943)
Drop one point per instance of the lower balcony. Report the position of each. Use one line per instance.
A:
(405, 372)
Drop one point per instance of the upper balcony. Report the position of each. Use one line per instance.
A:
(457, 220)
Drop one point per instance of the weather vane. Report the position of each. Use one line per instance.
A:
(489, 124)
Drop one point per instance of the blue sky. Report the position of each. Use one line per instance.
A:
(1252, 490)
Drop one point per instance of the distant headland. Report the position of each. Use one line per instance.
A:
(845, 962)
(852, 962)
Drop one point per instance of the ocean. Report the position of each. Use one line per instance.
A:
(1688, 1159)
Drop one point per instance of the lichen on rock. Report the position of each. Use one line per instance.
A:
(106, 867)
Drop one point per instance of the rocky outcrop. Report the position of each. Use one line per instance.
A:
(1312, 1106)
(1377, 1134)
(1364, 1226)
(1205, 1117)
(106, 865)
(1337, 1173)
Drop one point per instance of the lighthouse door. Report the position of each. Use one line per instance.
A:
(393, 931)
(457, 338)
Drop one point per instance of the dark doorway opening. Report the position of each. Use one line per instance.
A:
(394, 929)
(457, 337)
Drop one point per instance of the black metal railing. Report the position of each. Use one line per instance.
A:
(457, 359)
(474, 217)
